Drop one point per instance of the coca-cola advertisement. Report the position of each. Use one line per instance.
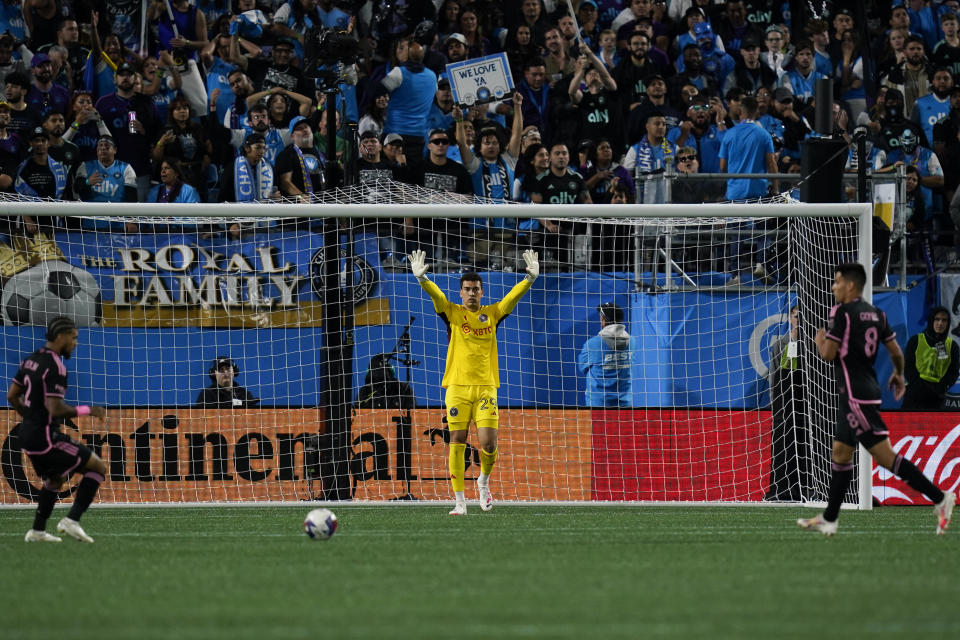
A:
(931, 441)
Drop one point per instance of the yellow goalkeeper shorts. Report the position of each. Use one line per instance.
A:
(469, 402)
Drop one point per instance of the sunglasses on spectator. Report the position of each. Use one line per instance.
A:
(699, 107)
(440, 141)
(686, 158)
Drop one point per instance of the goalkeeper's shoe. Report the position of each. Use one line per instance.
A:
(943, 511)
(40, 536)
(818, 524)
(459, 509)
(486, 498)
(73, 529)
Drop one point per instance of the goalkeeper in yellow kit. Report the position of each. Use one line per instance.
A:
(472, 374)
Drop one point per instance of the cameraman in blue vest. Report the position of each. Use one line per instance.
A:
(933, 363)
(606, 360)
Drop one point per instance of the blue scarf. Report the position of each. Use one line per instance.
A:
(59, 178)
(307, 182)
(244, 188)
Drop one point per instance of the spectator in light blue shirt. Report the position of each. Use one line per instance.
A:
(606, 360)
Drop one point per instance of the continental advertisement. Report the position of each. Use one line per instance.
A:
(194, 455)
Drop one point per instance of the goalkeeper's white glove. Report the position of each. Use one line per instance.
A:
(418, 264)
(533, 265)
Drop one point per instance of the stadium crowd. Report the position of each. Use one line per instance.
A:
(226, 99)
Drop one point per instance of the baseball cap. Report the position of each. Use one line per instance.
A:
(782, 94)
(587, 2)
(393, 138)
(38, 60)
(653, 77)
(459, 37)
(254, 138)
(443, 82)
(39, 132)
(703, 31)
(369, 133)
(223, 361)
(611, 312)
(124, 67)
(296, 122)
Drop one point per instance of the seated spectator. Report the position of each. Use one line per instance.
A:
(774, 56)
(224, 392)
(919, 223)
(911, 153)
(106, 179)
(376, 113)
(186, 141)
(694, 191)
(801, 78)
(173, 186)
(560, 185)
(299, 168)
(703, 129)
(441, 112)
(86, 125)
(604, 173)
(932, 364)
(11, 150)
(8, 64)
(44, 94)
(599, 116)
(477, 44)
(536, 162)
(23, 118)
(161, 81)
(61, 150)
(750, 74)
(40, 175)
(392, 148)
(653, 150)
(135, 136)
(250, 177)
(520, 48)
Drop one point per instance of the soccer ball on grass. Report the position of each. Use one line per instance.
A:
(320, 524)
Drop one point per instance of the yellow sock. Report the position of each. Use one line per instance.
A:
(487, 460)
(457, 465)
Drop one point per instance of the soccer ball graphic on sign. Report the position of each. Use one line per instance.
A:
(320, 524)
(52, 289)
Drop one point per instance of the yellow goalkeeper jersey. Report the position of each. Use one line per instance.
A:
(472, 349)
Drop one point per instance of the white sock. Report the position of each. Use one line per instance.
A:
(460, 497)
(483, 480)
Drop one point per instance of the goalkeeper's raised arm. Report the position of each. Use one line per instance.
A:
(472, 373)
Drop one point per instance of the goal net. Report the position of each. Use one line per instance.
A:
(241, 359)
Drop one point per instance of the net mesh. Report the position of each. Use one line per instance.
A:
(214, 349)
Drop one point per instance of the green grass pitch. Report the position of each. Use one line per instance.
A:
(516, 572)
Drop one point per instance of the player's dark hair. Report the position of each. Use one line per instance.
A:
(60, 324)
(471, 276)
(853, 272)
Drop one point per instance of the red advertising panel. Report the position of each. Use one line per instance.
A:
(680, 454)
(929, 440)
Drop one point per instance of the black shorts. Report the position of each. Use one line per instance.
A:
(66, 457)
(858, 422)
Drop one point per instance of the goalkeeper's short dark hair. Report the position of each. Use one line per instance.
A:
(60, 324)
(471, 276)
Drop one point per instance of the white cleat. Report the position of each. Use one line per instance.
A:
(73, 529)
(460, 509)
(40, 536)
(943, 511)
(486, 498)
(818, 524)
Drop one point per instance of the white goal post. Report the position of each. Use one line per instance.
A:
(344, 353)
